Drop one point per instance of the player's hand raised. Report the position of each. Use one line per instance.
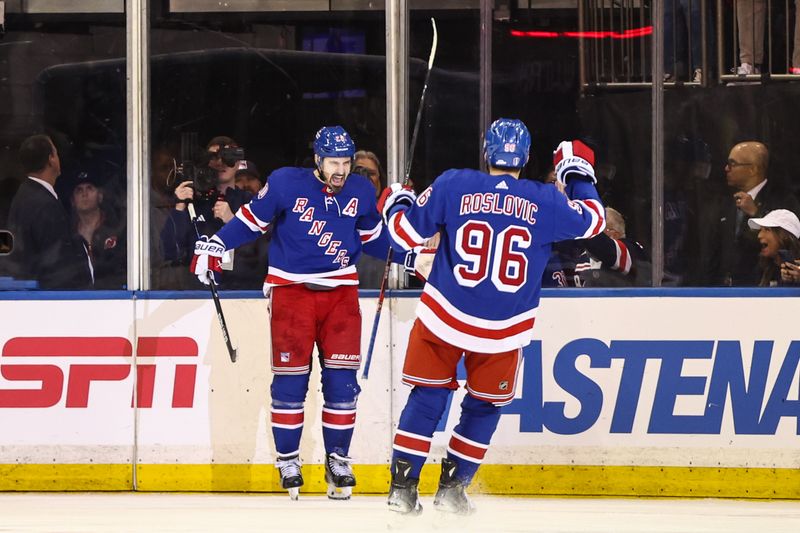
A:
(208, 254)
(395, 198)
(574, 160)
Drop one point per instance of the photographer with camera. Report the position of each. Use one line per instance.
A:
(208, 183)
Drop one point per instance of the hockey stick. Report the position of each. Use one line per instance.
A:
(406, 178)
(225, 335)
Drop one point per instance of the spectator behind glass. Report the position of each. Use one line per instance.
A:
(778, 235)
(729, 254)
(101, 231)
(750, 18)
(616, 260)
(44, 248)
(687, 167)
(248, 178)
(252, 257)
(162, 179)
(178, 236)
(370, 269)
(371, 168)
(679, 45)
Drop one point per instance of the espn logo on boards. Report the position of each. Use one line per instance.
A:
(18, 363)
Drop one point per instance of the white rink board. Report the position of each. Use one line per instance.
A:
(674, 357)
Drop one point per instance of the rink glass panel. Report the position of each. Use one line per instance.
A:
(269, 79)
(63, 74)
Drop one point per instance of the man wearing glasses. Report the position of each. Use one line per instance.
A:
(730, 257)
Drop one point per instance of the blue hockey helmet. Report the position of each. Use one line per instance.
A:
(507, 144)
(333, 141)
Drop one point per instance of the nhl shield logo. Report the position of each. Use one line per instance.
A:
(504, 385)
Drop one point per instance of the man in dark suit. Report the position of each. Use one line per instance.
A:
(44, 247)
(730, 254)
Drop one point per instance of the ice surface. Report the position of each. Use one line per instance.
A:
(241, 513)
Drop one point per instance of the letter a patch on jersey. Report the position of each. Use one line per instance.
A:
(351, 209)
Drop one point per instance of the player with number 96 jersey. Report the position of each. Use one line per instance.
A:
(481, 297)
(497, 231)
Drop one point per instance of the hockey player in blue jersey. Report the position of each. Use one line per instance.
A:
(496, 234)
(320, 219)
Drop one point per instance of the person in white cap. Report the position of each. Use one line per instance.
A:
(779, 236)
(729, 253)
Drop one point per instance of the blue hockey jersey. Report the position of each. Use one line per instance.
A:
(496, 235)
(317, 236)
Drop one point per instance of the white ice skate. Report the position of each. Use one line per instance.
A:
(291, 475)
(339, 476)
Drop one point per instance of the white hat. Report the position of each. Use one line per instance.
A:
(779, 218)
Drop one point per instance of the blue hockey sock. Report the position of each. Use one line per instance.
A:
(287, 413)
(472, 435)
(418, 421)
(340, 390)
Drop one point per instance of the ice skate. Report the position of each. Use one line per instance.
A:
(403, 495)
(291, 476)
(339, 476)
(451, 497)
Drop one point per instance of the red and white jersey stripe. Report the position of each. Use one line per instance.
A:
(412, 443)
(597, 212)
(338, 418)
(412, 380)
(468, 331)
(583, 266)
(287, 418)
(403, 233)
(245, 214)
(624, 263)
(339, 363)
(369, 235)
(467, 449)
(291, 370)
(333, 278)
